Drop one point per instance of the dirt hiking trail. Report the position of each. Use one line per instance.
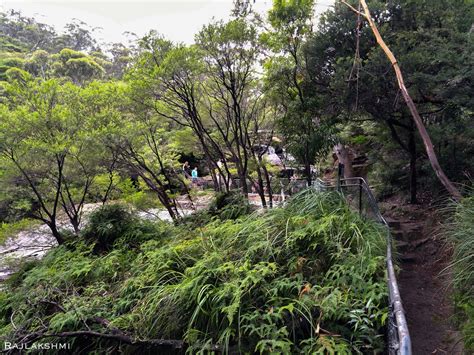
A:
(425, 285)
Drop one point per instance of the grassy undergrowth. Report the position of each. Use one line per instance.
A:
(305, 278)
(461, 232)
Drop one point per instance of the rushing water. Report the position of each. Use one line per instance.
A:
(35, 242)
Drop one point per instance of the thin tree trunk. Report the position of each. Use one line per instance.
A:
(269, 186)
(55, 232)
(307, 172)
(411, 106)
(243, 180)
(261, 188)
(109, 188)
(413, 174)
(214, 176)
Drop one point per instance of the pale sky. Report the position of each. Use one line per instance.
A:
(177, 20)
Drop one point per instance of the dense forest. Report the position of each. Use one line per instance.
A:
(216, 135)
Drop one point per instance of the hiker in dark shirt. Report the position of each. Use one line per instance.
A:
(186, 170)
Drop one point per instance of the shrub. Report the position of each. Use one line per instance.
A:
(229, 205)
(305, 278)
(224, 206)
(114, 223)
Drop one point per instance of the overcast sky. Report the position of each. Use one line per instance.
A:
(177, 20)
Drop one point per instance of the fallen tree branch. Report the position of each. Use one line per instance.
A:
(117, 335)
(433, 159)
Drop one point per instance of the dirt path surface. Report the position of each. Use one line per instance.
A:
(424, 283)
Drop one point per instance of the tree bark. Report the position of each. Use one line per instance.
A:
(454, 192)
(269, 186)
(413, 173)
(344, 158)
(261, 188)
(55, 232)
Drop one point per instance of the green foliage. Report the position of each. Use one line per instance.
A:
(303, 119)
(225, 205)
(48, 147)
(433, 45)
(230, 205)
(305, 278)
(459, 231)
(114, 222)
(8, 230)
(25, 34)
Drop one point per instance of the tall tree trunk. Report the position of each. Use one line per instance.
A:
(269, 186)
(307, 172)
(307, 164)
(344, 158)
(413, 174)
(261, 188)
(75, 224)
(214, 176)
(411, 106)
(243, 180)
(168, 204)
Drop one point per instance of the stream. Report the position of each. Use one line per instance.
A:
(35, 242)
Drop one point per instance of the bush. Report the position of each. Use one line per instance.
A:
(224, 206)
(111, 223)
(229, 205)
(305, 278)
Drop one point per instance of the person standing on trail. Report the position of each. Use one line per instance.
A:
(186, 170)
(219, 174)
(194, 175)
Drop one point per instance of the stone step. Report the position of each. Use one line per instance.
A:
(407, 257)
(398, 235)
(402, 246)
(393, 223)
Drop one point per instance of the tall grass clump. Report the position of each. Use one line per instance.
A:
(461, 232)
(224, 206)
(308, 277)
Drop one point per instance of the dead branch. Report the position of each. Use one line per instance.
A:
(454, 192)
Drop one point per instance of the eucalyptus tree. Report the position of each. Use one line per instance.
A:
(20, 33)
(138, 141)
(230, 52)
(210, 88)
(46, 148)
(168, 81)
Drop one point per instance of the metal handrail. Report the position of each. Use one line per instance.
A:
(398, 334)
